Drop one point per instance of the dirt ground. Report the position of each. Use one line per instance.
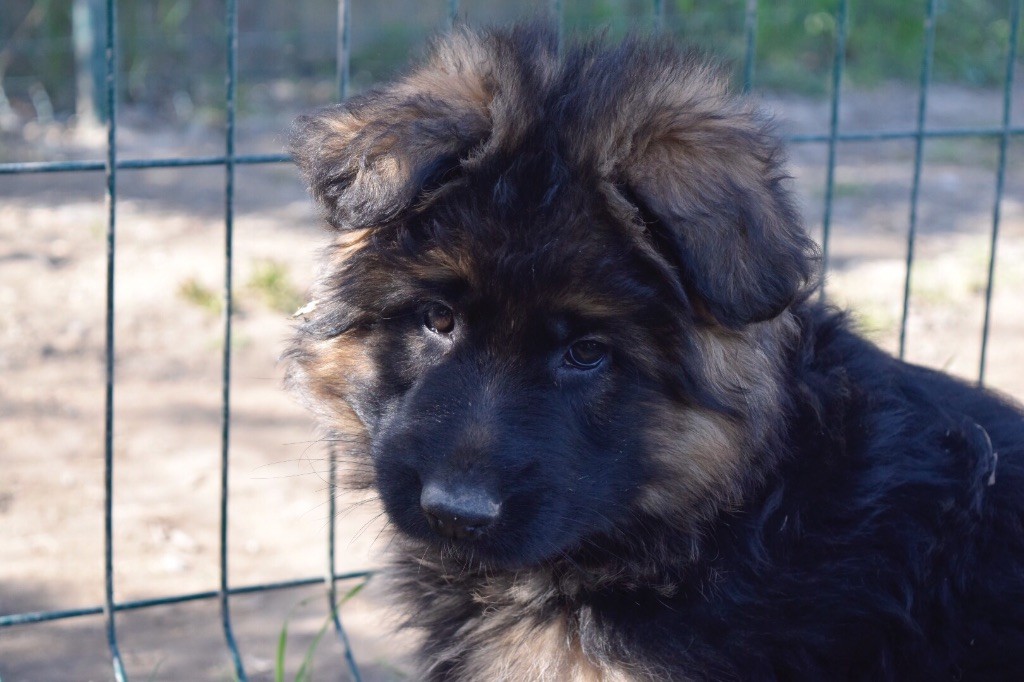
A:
(170, 267)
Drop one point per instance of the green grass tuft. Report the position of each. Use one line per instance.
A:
(271, 282)
(305, 671)
(198, 294)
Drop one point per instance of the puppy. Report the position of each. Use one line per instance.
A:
(566, 331)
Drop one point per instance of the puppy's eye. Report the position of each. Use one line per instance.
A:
(586, 354)
(439, 318)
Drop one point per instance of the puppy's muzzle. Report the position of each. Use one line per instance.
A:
(458, 512)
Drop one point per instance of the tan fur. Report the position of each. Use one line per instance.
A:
(456, 73)
(701, 454)
(327, 374)
(526, 651)
(676, 136)
(698, 454)
(503, 645)
(459, 82)
(329, 369)
(339, 362)
(345, 245)
(585, 303)
(747, 359)
(445, 264)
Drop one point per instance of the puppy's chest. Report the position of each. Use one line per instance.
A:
(523, 629)
(508, 646)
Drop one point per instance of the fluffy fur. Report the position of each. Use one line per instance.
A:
(740, 488)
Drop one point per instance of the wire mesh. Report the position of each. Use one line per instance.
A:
(229, 160)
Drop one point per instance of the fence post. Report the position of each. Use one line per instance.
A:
(915, 189)
(231, 47)
(108, 441)
(87, 33)
(833, 138)
(1004, 144)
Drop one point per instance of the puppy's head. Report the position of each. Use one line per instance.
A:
(556, 299)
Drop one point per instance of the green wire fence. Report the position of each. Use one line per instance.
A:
(230, 160)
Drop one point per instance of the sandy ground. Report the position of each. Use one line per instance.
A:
(167, 402)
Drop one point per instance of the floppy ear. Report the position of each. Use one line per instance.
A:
(367, 160)
(707, 168)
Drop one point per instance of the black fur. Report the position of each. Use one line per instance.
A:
(832, 513)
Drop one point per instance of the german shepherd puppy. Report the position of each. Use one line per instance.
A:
(566, 325)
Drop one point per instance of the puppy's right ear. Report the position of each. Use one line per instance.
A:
(367, 160)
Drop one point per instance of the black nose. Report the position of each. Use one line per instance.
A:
(458, 512)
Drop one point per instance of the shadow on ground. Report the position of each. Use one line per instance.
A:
(186, 642)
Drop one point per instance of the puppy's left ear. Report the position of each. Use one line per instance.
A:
(367, 160)
(706, 166)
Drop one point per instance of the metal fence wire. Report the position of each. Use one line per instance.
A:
(230, 160)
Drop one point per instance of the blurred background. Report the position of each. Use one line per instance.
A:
(170, 269)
